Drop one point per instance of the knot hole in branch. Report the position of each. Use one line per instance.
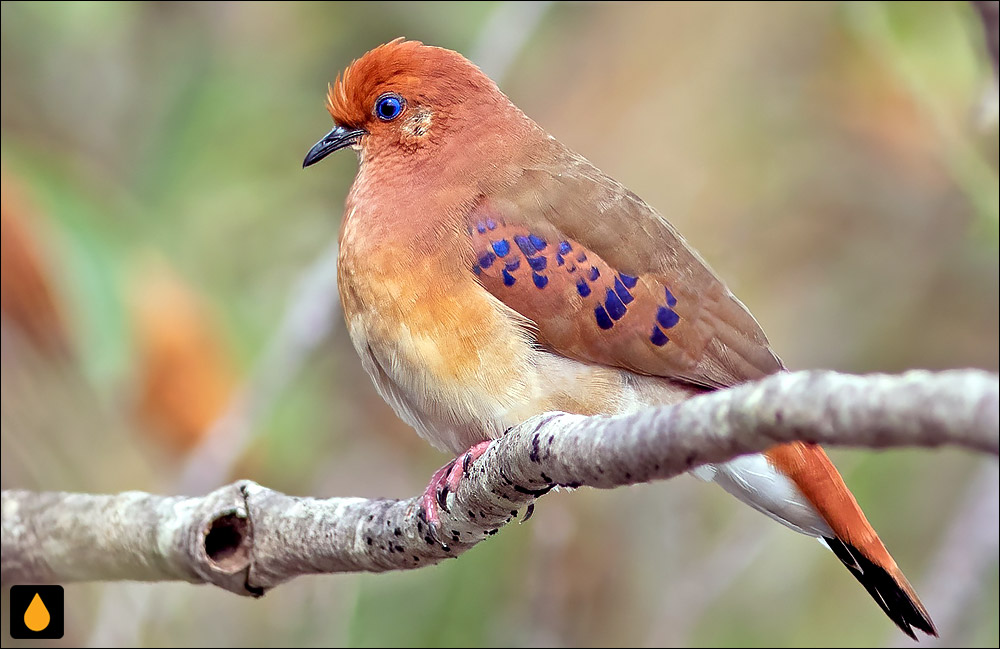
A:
(227, 542)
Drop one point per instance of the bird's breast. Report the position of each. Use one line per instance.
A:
(448, 356)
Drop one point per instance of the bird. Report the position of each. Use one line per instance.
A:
(488, 273)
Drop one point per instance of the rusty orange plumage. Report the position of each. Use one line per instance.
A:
(488, 274)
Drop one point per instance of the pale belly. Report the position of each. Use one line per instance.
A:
(456, 403)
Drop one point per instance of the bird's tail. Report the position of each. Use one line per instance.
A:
(888, 587)
(797, 485)
(854, 541)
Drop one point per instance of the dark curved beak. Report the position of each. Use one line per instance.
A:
(338, 138)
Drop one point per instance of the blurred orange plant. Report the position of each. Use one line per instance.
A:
(184, 375)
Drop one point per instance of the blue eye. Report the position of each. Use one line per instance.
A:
(388, 107)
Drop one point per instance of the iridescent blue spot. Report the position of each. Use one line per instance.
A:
(671, 300)
(565, 248)
(582, 257)
(525, 245)
(538, 263)
(603, 321)
(628, 280)
(614, 305)
(594, 273)
(583, 288)
(666, 317)
(508, 279)
(513, 265)
(540, 280)
(491, 224)
(658, 338)
(481, 227)
(501, 247)
(476, 269)
(487, 259)
(622, 292)
(538, 242)
(559, 260)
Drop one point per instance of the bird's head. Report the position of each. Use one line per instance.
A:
(404, 96)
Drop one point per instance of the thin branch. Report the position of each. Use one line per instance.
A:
(247, 539)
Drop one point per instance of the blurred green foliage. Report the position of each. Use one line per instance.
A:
(836, 163)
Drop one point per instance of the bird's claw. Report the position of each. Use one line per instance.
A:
(445, 481)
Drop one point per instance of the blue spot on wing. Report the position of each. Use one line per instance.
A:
(491, 224)
(476, 269)
(538, 242)
(501, 247)
(614, 305)
(666, 317)
(525, 245)
(540, 280)
(508, 279)
(594, 273)
(487, 259)
(513, 265)
(622, 292)
(537, 263)
(671, 300)
(603, 321)
(582, 257)
(628, 280)
(559, 260)
(658, 338)
(481, 227)
(565, 248)
(583, 288)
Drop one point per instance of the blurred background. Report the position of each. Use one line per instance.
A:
(169, 318)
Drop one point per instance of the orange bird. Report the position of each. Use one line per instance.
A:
(488, 274)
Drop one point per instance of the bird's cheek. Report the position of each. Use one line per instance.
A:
(417, 127)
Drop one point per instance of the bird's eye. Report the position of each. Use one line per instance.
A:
(388, 107)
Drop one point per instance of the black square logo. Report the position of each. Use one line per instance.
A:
(36, 612)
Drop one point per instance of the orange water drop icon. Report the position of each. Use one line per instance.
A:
(36, 617)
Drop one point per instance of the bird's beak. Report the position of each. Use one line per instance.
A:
(338, 138)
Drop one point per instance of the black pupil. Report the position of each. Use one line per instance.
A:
(388, 108)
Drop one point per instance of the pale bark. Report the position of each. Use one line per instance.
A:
(247, 539)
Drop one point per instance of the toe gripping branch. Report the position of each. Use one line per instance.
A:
(445, 482)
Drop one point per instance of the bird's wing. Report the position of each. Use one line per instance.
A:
(608, 280)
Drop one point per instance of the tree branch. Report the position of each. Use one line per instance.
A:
(247, 539)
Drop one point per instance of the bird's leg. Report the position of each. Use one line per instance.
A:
(446, 480)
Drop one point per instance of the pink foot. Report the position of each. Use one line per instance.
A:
(444, 481)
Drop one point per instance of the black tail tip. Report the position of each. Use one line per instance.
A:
(897, 599)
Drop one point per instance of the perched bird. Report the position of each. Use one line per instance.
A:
(488, 274)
